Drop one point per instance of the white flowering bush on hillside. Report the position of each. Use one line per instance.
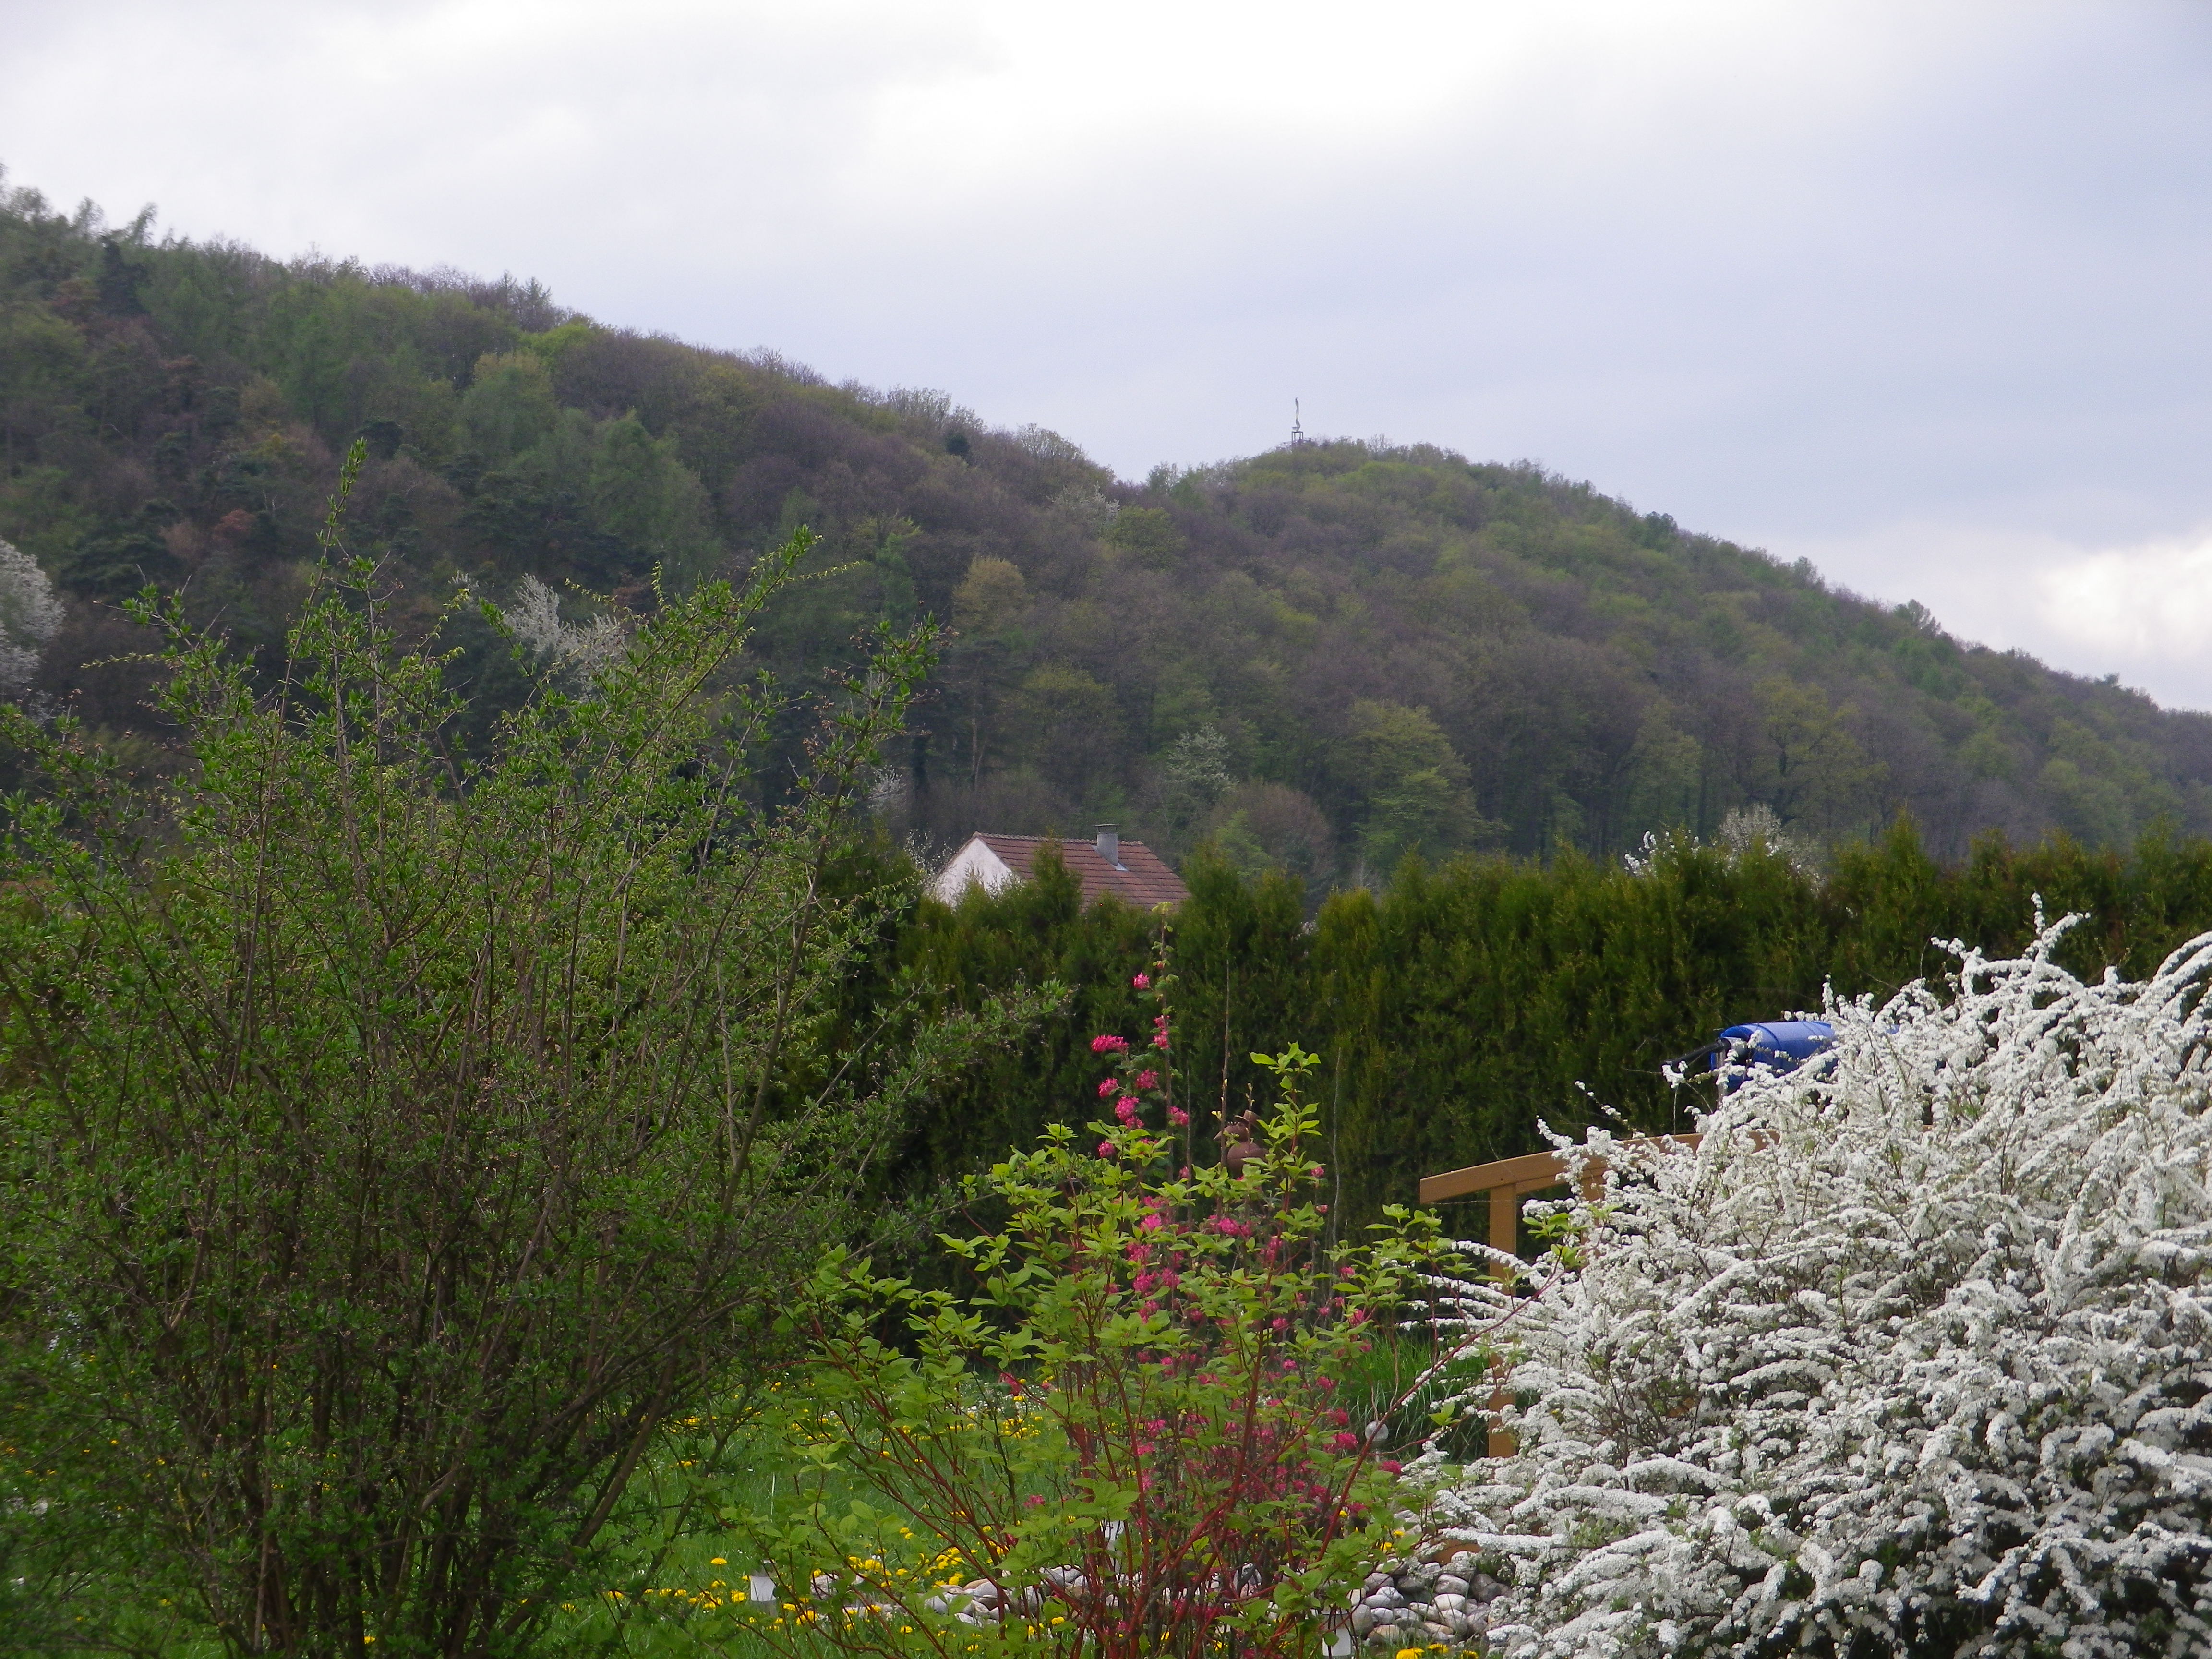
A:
(30, 615)
(585, 649)
(1912, 1355)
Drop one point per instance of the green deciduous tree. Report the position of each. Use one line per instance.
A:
(641, 492)
(509, 408)
(1259, 827)
(1418, 799)
(1813, 770)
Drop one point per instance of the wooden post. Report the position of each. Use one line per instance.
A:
(1504, 1228)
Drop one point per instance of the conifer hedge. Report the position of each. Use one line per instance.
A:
(1463, 1005)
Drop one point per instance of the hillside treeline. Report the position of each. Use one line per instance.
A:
(1458, 1006)
(1318, 659)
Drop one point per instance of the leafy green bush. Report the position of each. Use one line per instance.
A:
(1130, 1434)
(392, 1143)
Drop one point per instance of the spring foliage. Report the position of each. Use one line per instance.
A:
(1910, 1354)
(1321, 657)
(1131, 1434)
(392, 1145)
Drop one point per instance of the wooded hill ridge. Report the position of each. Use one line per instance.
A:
(1317, 659)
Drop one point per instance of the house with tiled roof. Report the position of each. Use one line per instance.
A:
(1128, 869)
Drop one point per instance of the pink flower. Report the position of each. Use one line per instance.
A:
(1144, 1282)
(1177, 1116)
(1392, 1465)
(1152, 1222)
(1282, 1324)
(1107, 1043)
(1105, 1149)
(1169, 1279)
(1142, 983)
(1317, 1172)
(1106, 1086)
(1126, 1110)
(1159, 1042)
(1148, 1079)
(1344, 1442)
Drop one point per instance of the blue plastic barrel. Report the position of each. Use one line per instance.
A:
(1772, 1045)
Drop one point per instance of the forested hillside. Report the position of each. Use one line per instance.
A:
(1319, 658)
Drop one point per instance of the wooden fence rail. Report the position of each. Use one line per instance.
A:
(1508, 1181)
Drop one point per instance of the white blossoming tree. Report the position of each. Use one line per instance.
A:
(586, 649)
(1911, 1354)
(30, 615)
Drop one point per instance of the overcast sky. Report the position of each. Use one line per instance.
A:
(1923, 292)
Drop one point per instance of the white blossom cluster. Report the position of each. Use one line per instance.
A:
(583, 648)
(30, 615)
(1913, 1353)
(1746, 829)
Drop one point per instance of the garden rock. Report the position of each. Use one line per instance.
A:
(1417, 1603)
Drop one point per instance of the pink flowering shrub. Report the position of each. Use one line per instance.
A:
(1130, 1428)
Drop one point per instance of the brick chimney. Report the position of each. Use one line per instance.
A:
(1110, 845)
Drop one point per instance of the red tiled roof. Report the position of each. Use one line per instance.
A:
(1141, 880)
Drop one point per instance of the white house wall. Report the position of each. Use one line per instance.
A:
(973, 865)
